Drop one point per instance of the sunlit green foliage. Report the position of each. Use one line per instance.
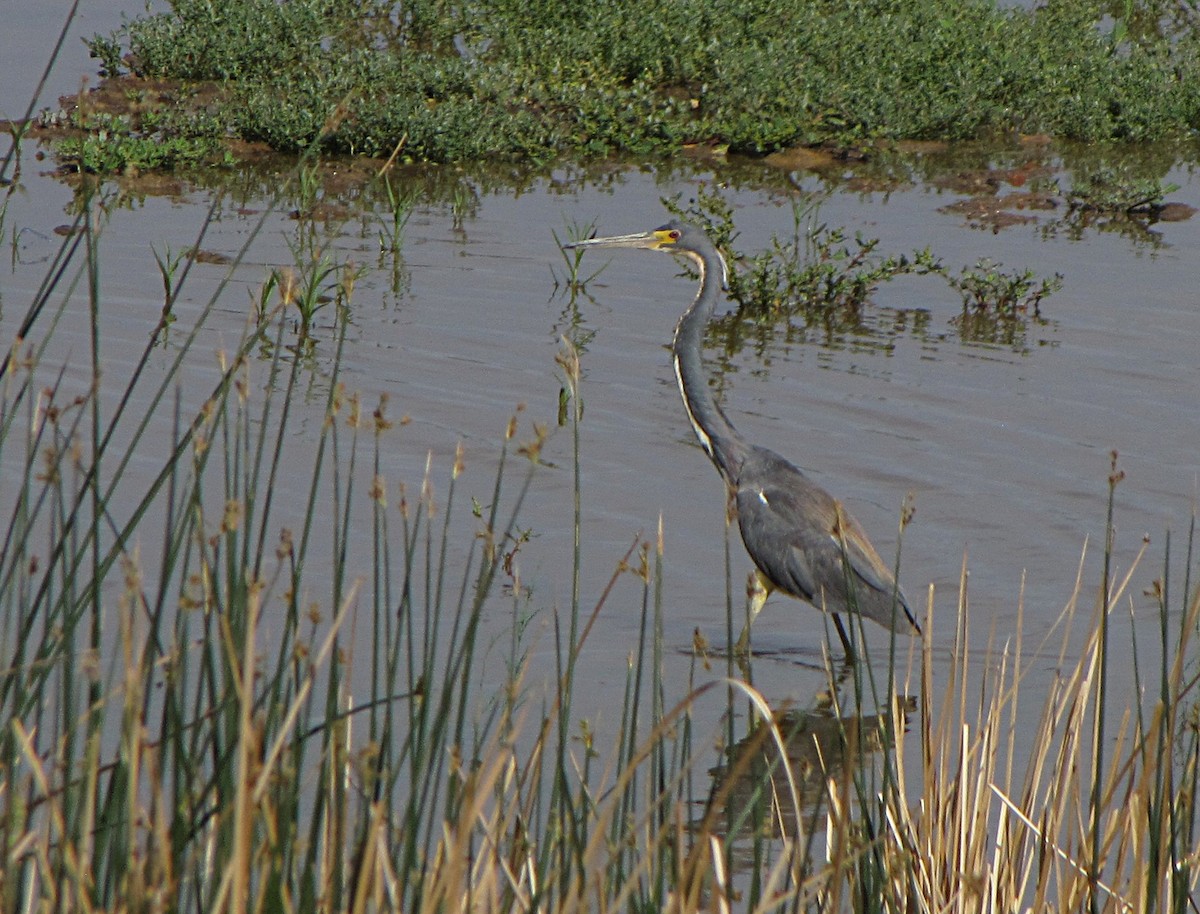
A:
(510, 79)
(103, 143)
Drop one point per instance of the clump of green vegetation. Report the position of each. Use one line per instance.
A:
(816, 271)
(997, 303)
(820, 276)
(122, 144)
(506, 79)
(987, 288)
(115, 153)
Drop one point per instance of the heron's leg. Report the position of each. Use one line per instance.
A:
(757, 591)
(841, 630)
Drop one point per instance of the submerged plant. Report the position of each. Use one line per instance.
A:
(1112, 190)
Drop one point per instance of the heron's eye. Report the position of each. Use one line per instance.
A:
(673, 235)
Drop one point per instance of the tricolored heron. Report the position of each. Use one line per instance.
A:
(802, 541)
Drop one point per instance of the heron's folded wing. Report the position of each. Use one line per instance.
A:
(791, 532)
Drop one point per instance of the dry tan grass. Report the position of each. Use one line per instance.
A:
(988, 829)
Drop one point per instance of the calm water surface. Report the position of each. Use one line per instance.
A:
(1005, 452)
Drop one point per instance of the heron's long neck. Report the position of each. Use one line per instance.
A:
(720, 440)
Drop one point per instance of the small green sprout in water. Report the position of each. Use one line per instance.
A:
(262, 301)
(400, 204)
(463, 204)
(308, 187)
(168, 266)
(573, 282)
(317, 282)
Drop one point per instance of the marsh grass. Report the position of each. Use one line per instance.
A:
(161, 729)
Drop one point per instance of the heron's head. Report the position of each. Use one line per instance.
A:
(674, 238)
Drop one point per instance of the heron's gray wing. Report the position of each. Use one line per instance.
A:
(790, 528)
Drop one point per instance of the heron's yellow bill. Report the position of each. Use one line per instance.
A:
(656, 240)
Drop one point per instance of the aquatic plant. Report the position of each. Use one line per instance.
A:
(819, 276)
(400, 205)
(315, 282)
(112, 144)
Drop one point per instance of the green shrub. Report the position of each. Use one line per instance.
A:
(503, 79)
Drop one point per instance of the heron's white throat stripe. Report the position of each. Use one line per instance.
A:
(701, 435)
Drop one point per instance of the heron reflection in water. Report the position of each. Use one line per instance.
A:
(806, 750)
(802, 541)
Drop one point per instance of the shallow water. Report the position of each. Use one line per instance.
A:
(1005, 451)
